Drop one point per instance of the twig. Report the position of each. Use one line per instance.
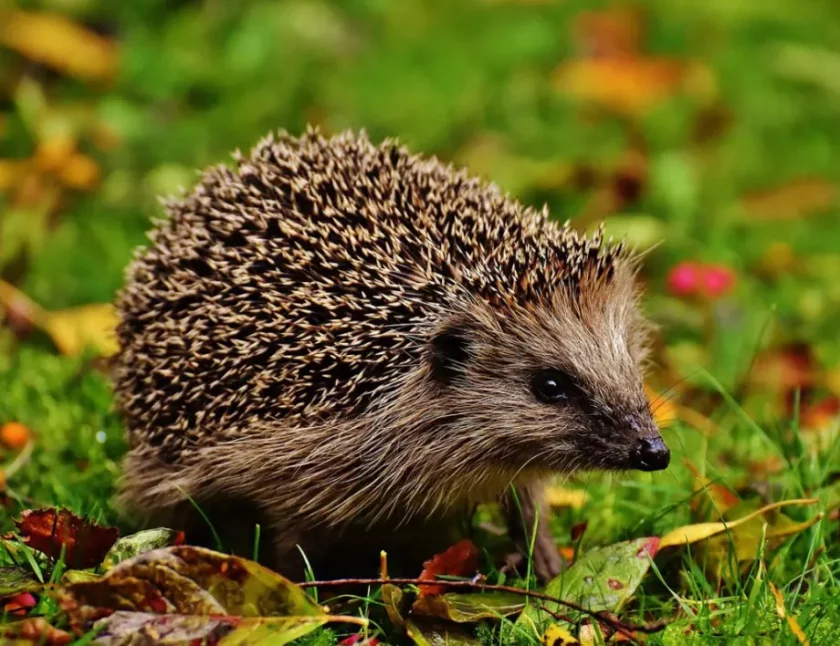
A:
(616, 624)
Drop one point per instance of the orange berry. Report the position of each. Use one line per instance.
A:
(14, 435)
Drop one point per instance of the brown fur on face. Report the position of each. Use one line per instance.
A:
(346, 337)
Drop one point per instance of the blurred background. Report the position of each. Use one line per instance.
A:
(705, 131)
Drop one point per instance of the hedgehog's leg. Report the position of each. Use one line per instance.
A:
(522, 510)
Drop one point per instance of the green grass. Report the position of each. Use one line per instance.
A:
(198, 79)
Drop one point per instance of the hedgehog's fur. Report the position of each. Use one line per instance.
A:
(322, 333)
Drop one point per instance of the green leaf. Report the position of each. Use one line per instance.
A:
(469, 607)
(14, 580)
(78, 576)
(145, 541)
(604, 579)
(436, 633)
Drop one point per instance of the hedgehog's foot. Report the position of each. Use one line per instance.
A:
(521, 517)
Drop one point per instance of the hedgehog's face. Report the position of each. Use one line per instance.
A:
(549, 388)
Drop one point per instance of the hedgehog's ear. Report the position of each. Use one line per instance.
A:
(449, 353)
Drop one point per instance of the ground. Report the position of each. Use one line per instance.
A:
(704, 131)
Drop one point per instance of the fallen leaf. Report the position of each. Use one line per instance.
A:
(20, 604)
(459, 560)
(130, 546)
(701, 531)
(469, 607)
(604, 578)
(14, 435)
(80, 172)
(126, 628)
(14, 580)
(11, 170)
(786, 371)
(608, 33)
(434, 633)
(48, 531)
(75, 329)
(79, 576)
(34, 631)
(794, 626)
(559, 497)
(72, 330)
(558, 636)
(53, 153)
(820, 415)
(195, 589)
(358, 640)
(626, 85)
(796, 199)
(60, 43)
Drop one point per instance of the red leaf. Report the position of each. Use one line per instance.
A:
(649, 548)
(459, 560)
(20, 603)
(47, 530)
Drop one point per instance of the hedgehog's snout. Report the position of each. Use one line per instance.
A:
(650, 454)
(649, 451)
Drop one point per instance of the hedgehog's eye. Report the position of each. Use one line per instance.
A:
(553, 386)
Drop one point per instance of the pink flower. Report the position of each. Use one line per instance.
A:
(717, 280)
(684, 279)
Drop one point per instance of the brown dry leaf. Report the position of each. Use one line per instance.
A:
(701, 531)
(58, 42)
(35, 630)
(49, 530)
(459, 560)
(794, 626)
(819, 416)
(626, 85)
(798, 198)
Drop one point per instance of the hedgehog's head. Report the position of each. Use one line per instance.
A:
(555, 385)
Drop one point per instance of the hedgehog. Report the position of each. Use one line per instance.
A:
(354, 347)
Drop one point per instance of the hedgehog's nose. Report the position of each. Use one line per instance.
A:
(651, 454)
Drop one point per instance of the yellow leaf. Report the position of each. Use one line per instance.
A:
(662, 407)
(627, 85)
(11, 170)
(56, 41)
(90, 325)
(80, 172)
(72, 329)
(794, 626)
(557, 636)
(796, 199)
(562, 497)
(702, 531)
(53, 153)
